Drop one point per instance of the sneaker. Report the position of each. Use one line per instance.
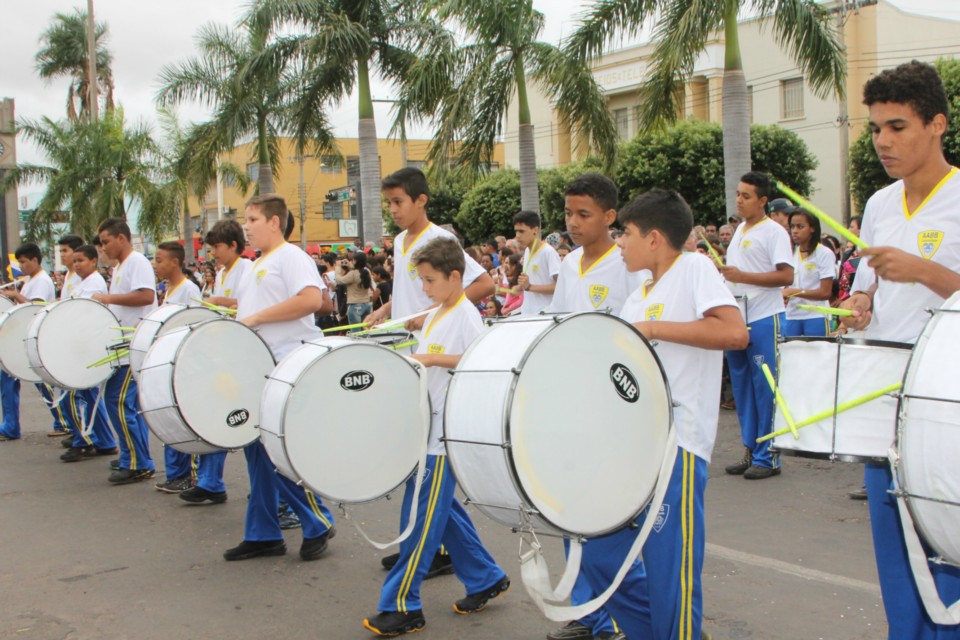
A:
(76, 454)
(858, 494)
(729, 405)
(6, 438)
(58, 433)
(114, 465)
(571, 631)
(176, 485)
(440, 566)
(393, 623)
(475, 602)
(744, 464)
(756, 472)
(108, 452)
(289, 520)
(67, 443)
(129, 476)
(610, 635)
(313, 548)
(196, 495)
(705, 636)
(246, 550)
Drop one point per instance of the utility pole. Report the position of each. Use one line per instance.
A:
(843, 123)
(303, 208)
(92, 62)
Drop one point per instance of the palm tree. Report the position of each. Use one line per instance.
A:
(474, 84)
(682, 29)
(337, 45)
(94, 171)
(63, 52)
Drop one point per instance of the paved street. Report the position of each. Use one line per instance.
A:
(787, 558)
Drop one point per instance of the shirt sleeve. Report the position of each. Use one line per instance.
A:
(710, 291)
(781, 252)
(141, 275)
(559, 301)
(826, 263)
(303, 273)
(552, 263)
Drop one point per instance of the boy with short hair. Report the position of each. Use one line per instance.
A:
(448, 331)
(759, 264)
(132, 296)
(278, 297)
(686, 309)
(541, 264)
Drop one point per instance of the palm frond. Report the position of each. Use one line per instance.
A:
(608, 19)
(803, 28)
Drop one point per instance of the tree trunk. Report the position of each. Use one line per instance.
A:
(187, 231)
(265, 171)
(529, 191)
(371, 225)
(736, 112)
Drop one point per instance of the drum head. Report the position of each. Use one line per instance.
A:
(588, 424)
(160, 322)
(14, 325)
(71, 335)
(929, 433)
(352, 424)
(218, 376)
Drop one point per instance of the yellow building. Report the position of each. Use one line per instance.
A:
(327, 223)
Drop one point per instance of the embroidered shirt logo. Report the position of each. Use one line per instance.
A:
(535, 268)
(598, 293)
(662, 516)
(746, 244)
(412, 271)
(653, 312)
(929, 242)
(260, 275)
(435, 348)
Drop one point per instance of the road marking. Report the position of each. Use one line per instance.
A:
(792, 569)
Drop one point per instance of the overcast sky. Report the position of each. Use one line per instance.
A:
(145, 35)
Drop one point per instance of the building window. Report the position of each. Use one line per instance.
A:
(353, 169)
(791, 98)
(253, 171)
(331, 164)
(622, 121)
(332, 210)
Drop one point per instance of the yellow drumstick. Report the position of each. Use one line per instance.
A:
(829, 413)
(216, 307)
(833, 224)
(780, 401)
(713, 252)
(827, 311)
(347, 326)
(110, 358)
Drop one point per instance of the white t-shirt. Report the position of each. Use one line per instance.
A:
(276, 277)
(228, 280)
(185, 293)
(542, 267)
(71, 281)
(932, 233)
(807, 274)
(408, 296)
(759, 250)
(690, 288)
(40, 287)
(133, 274)
(451, 333)
(92, 284)
(607, 283)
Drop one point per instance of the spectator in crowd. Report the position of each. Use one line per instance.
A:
(779, 212)
(354, 275)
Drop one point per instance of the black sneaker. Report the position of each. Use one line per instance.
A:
(611, 635)
(393, 623)
(756, 472)
(177, 485)
(740, 467)
(477, 601)
(67, 443)
(571, 631)
(129, 476)
(246, 550)
(313, 548)
(196, 495)
(440, 566)
(108, 452)
(76, 454)
(114, 465)
(289, 520)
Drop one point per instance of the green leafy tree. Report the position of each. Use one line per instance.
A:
(63, 52)
(553, 182)
(488, 208)
(682, 29)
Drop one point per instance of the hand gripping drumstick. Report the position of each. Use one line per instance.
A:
(792, 427)
(833, 224)
(829, 413)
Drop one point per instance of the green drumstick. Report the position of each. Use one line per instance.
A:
(792, 427)
(833, 224)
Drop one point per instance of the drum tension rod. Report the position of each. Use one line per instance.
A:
(528, 512)
(910, 396)
(934, 312)
(502, 445)
(514, 371)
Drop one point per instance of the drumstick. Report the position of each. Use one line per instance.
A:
(792, 427)
(829, 413)
(833, 224)
(395, 324)
(347, 326)
(515, 292)
(110, 358)
(216, 307)
(827, 311)
(14, 283)
(403, 345)
(713, 252)
(125, 328)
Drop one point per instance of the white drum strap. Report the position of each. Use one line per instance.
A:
(418, 479)
(536, 574)
(56, 396)
(938, 612)
(87, 427)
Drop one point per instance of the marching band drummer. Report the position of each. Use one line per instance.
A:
(169, 265)
(913, 230)
(278, 297)
(82, 282)
(541, 264)
(226, 242)
(39, 288)
(132, 296)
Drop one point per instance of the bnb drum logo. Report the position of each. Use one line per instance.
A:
(624, 383)
(356, 381)
(238, 417)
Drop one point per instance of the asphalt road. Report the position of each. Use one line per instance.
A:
(787, 558)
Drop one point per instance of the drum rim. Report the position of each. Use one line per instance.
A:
(829, 457)
(854, 342)
(46, 372)
(4, 316)
(555, 321)
(283, 416)
(159, 327)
